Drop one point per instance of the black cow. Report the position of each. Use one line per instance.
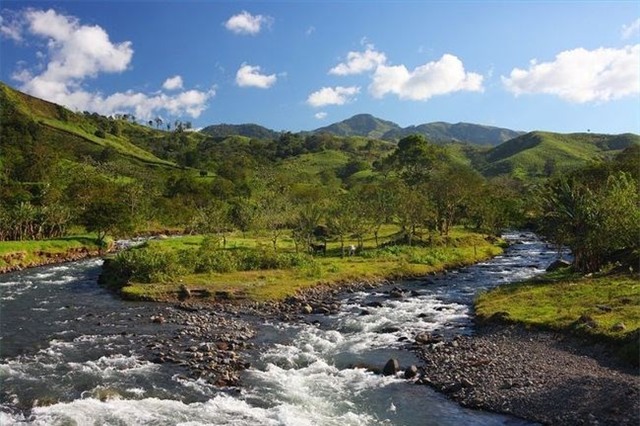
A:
(318, 248)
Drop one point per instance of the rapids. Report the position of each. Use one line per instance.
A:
(72, 354)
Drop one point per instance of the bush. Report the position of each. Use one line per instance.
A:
(250, 260)
(147, 265)
(216, 261)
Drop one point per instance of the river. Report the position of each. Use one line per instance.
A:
(73, 354)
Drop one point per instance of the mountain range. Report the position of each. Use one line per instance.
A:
(366, 125)
(32, 124)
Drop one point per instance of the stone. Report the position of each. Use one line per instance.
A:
(306, 309)
(424, 338)
(619, 327)
(322, 310)
(389, 329)
(396, 293)
(411, 372)
(391, 367)
(158, 319)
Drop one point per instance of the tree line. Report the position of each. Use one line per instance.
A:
(416, 185)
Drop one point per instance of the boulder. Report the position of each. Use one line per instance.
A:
(425, 338)
(391, 367)
(411, 372)
(396, 293)
(306, 309)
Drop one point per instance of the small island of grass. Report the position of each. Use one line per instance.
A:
(249, 269)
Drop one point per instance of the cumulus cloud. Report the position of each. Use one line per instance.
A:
(246, 23)
(581, 75)
(173, 83)
(250, 76)
(320, 115)
(631, 30)
(359, 62)
(77, 52)
(332, 96)
(440, 77)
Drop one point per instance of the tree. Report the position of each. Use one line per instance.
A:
(594, 220)
(274, 212)
(342, 220)
(414, 159)
(377, 201)
(213, 219)
(451, 188)
(306, 221)
(412, 210)
(106, 216)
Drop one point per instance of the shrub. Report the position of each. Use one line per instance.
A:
(148, 265)
(215, 261)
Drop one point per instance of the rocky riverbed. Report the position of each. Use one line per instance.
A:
(209, 343)
(537, 375)
(210, 340)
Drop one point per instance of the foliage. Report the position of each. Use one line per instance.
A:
(107, 216)
(595, 219)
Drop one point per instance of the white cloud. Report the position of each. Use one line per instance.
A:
(631, 30)
(246, 23)
(173, 83)
(76, 52)
(332, 96)
(440, 77)
(359, 62)
(250, 76)
(11, 26)
(581, 75)
(320, 115)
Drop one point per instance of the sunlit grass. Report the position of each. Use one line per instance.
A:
(28, 253)
(590, 306)
(369, 264)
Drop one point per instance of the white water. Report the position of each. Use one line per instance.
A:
(305, 374)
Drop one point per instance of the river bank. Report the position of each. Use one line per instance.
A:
(542, 376)
(20, 260)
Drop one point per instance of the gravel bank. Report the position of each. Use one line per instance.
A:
(536, 375)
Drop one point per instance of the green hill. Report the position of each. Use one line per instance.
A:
(73, 136)
(441, 132)
(538, 154)
(253, 131)
(360, 125)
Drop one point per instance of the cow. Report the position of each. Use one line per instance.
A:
(318, 248)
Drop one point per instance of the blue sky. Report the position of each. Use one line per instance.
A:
(535, 65)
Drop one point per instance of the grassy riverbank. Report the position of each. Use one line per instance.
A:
(15, 255)
(603, 308)
(249, 268)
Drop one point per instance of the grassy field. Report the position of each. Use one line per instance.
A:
(370, 263)
(603, 308)
(29, 253)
